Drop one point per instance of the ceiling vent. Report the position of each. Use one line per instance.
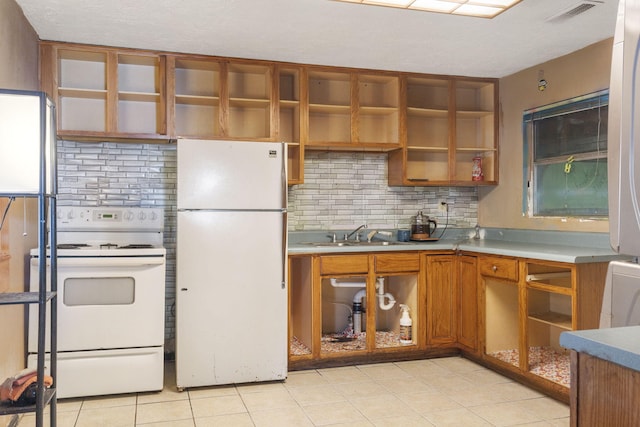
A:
(573, 10)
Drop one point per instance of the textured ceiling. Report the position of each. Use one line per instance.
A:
(330, 33)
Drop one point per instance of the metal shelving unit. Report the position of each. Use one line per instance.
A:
(28, 132)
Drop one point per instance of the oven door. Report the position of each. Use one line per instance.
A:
(106, 302)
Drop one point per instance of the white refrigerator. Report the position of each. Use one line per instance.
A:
(231, 262)
(621, 298)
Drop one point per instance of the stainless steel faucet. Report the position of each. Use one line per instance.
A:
(346, 236)
(372, 233)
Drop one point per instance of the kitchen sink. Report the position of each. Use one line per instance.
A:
(380, 243)
(328, 244)
(354, 243)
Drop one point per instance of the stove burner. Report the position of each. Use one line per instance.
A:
(71, 245)
(136, 246)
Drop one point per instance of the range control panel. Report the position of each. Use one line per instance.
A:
(109, 218)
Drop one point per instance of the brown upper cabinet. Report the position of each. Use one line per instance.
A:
(211, 98)
(214, 98)
(291, 120)
(353, 110)
(438, 130)
(105, 93)
(451, 132)
(195, 99)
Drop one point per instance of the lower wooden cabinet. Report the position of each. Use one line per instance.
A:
(505, 312)
(452, 301)
(348, 306)
(499, 305)
(525, 305)
(467, 289)
(603, 393)
(441, 299)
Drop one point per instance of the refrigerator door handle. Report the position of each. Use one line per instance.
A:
(284, 250)
(284, 214)
(283, 174)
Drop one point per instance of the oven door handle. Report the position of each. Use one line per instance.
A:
(105, 262)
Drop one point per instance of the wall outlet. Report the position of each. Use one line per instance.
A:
(443, 206)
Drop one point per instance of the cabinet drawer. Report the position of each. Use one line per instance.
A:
(503, 268)
(395, 263)
(344, 264)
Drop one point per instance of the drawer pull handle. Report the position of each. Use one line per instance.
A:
(494, 268)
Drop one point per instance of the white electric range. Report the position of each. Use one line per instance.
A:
(111, 292)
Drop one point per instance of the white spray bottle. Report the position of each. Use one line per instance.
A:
(405, 325)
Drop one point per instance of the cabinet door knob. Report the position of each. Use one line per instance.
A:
(494, 268)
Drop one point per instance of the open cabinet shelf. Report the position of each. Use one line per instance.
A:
(10, 298)
(559, 320)
(451, 133)
(8, 409)
(527, 304)
(437, 129)
(289, 127)
(106, 92)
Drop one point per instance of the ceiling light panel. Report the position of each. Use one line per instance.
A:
(498, 3)
(393, 3)
(434, 5)
(477, 8)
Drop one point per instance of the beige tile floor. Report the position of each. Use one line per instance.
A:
(437, 392)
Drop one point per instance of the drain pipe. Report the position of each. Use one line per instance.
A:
(358, 311)
(382, 295)
(358, 307)
(336, 284)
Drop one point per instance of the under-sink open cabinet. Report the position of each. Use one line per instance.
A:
(326, 324)
(524, 306)
(505, 312)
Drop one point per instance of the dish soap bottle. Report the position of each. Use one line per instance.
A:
(405, 325)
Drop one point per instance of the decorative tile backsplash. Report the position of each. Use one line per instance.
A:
(341, 190)
(111, 174)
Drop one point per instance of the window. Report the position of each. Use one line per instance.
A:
(565, 158)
